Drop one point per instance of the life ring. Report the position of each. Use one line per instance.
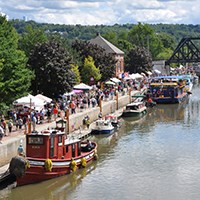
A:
(83, 162)
(73, 165)
(48, 165)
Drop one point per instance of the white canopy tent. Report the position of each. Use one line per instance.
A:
(109, 83)
(126, 78)
(136, 76)
(149, 73)
(29, 101)
(157, 71)
(82, 86)
(44, 98)
(115, 80)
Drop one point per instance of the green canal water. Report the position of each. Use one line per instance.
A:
(156, 157)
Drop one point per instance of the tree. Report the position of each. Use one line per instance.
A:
(138, 60)
(142, 35)
(90, 70)
(53, 72)
(168, 41)
(105, 62)
(76, 71)
(15, 78)
(30, 37)
(164, 55)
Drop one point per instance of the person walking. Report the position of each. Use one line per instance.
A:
(25, 122)
(3, 125)
(20, 122)
(49, 114)
(1, 134)
(73, 107)
(10, 125)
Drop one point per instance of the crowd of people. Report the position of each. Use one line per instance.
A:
(19, 117)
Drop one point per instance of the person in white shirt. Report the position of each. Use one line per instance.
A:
(1, 134)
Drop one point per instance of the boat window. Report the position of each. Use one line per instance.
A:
(73, 150)
(35, 140)
(60, 139)
(52, 146)
(79, 149)
(67, 148)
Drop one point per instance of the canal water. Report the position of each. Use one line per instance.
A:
(156, 157)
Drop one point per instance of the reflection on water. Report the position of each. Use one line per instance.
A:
(57, 188)
(155, 157)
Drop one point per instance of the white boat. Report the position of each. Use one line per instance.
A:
(102, 126)
(135, 109)
(113, 119)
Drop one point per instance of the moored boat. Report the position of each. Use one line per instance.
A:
(134, 109)
(168, 89)
(50, 154)
(113, 119)
(102, 126)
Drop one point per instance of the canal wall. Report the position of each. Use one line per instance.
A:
(8, 148)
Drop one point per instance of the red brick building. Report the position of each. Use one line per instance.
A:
(113, 50)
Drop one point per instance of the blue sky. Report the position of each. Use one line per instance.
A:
(106, 12)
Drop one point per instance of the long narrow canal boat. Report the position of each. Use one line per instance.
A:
(168, 89)
(50, 154)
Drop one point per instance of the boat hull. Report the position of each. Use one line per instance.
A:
(102, 131)
(37, 173)
(169, 100)
(133, 114)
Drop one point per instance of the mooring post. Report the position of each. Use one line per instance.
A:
(117, 99)
(67, 119)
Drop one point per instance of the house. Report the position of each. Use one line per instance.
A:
(113, 50)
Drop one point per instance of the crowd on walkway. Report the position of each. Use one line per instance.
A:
(17, 119)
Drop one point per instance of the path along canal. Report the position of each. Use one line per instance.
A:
(156, 157)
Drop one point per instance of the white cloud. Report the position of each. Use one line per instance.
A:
(92, 12)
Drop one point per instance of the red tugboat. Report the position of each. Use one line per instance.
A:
(50, 154)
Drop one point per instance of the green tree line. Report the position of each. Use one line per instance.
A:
(50, 59)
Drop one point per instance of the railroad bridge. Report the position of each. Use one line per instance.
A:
(187, 51)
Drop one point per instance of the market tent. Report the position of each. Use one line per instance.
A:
(44, 98)
(149, 73)
(28, 101)
(77, 91)
(73, 92)
(109, 83)
(135, 76)
(82, 86)
(126, 78)
(157, 71)
(115, 80)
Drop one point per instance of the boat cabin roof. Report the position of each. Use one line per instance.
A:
(71, 140)
(165, 84)
(167, 77)
(135, 104)
(48, 132)
(101, 122)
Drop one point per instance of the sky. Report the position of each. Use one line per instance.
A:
(103, 12)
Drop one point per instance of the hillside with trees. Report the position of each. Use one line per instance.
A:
(178, 31)
(52, 58)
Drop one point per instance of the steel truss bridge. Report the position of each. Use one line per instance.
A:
(186, 52)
